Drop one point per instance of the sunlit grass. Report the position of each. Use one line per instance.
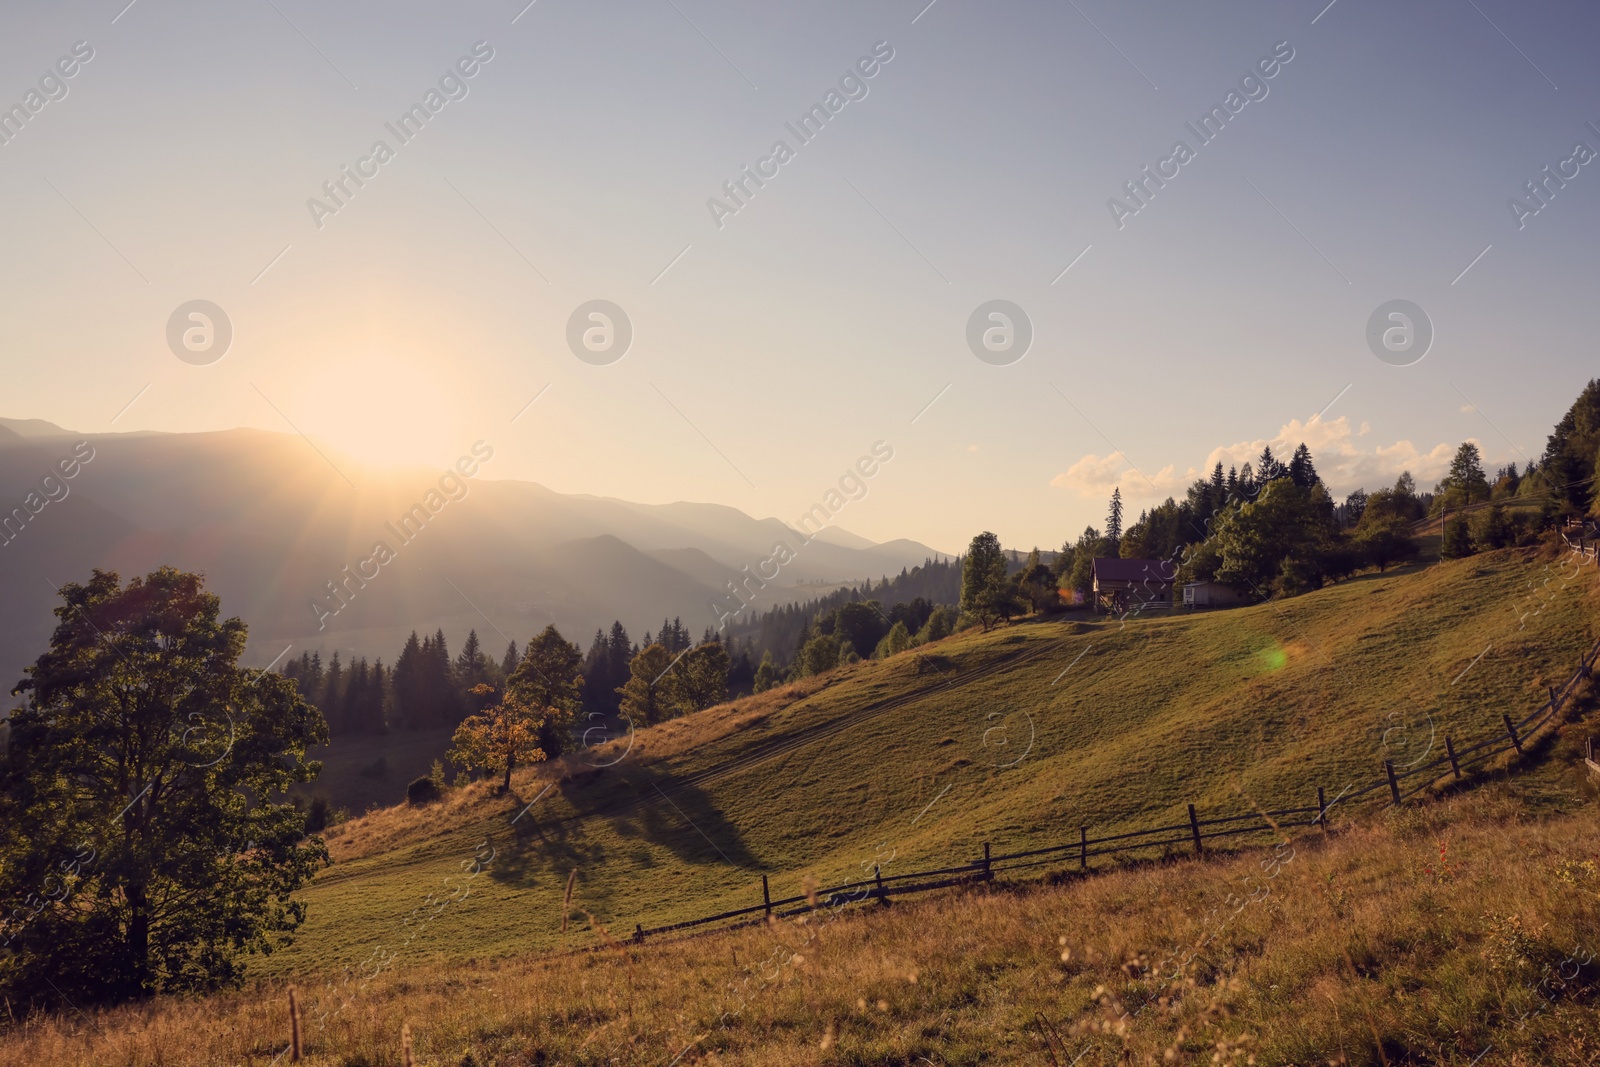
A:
(1427, 930)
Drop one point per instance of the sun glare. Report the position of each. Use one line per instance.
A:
(383, 409)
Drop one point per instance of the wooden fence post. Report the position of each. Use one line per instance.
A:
(1322, 809)
(1083, 848)
(877, 874)
(1450, 750)
(986, 872)
(766, 896)
(1394, 785)
(1194, 828)
(1555, 702)
(638, 934)
(1512, 730)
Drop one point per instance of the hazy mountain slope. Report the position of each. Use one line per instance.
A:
(271, 522)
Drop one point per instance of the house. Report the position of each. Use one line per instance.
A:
(1210, 595)
(1123, 585)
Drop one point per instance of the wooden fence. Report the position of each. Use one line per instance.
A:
(1194, 833)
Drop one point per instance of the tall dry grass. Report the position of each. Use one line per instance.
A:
(1428, 935)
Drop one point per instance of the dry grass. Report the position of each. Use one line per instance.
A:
(1425, 933)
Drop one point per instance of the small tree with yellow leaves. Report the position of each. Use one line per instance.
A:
(501, 736)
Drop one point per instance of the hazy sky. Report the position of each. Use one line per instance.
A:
(773, 346)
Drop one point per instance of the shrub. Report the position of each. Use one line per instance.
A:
(423, 791)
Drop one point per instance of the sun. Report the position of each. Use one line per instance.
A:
(383, 409)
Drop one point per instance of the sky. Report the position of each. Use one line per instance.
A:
(777, 337)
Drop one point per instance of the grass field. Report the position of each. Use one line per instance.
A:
(1015, 737)
(1410, 936)
(1455, 933)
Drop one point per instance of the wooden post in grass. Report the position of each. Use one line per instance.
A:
(1516, 742)
(987, 873)
(1194, 828)
(294, 1026)
(1394, 784)
(766, 896)
(1322, 809)
(877, 876)
(1083, 848)
(638, 934)
(1450, 750)
(1555, 701)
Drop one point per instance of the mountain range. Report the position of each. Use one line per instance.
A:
(288, 534)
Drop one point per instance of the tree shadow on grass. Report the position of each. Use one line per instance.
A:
(641, 805)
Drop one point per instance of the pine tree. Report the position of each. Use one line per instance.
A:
(472, 666)
(329, 701)
(1267, 467)
(1301, 469)
(596, 673)
(1114, 521)
(355, 691)
(373, 712)
(406, 680)
(444, 701)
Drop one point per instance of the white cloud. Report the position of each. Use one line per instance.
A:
(1095, 476)
(1335, 448)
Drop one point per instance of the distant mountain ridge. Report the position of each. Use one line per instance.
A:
(276, 529)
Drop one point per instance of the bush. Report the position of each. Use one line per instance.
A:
(1457, 542)
(423, 791)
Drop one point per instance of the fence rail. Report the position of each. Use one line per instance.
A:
(1452, 766)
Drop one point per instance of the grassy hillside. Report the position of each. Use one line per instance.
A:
(916, 761)
(1441, 934)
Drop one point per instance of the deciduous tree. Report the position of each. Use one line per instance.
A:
(549, 682)
(986, 593)
(140, 818)
(497, 739)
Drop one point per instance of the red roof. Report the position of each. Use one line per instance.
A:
(1134, 570)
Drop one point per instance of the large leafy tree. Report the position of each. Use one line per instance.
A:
(646, 697)
(1284, 525)
(700, 677)
(986, 593)
(1079, 577)
(549, 681)
(142, 821)
(1384, 538)
(1037, 585)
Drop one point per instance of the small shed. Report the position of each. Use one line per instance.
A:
(1123, 585)
(1210, 595)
